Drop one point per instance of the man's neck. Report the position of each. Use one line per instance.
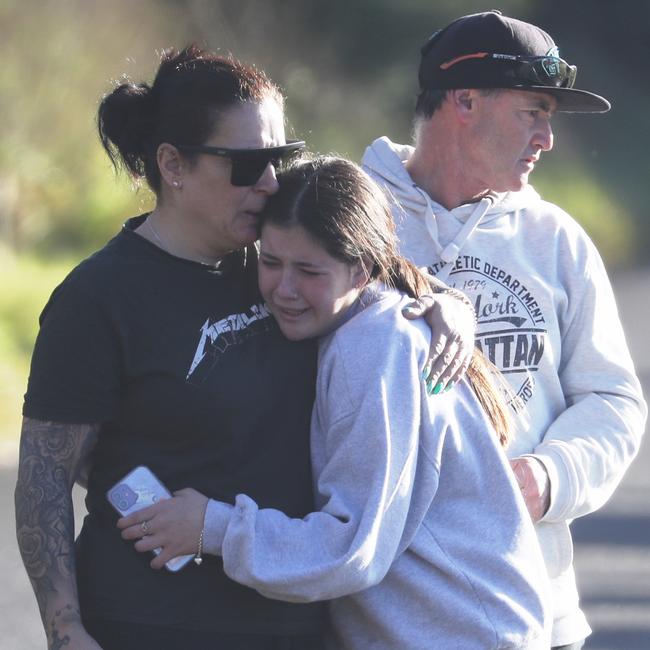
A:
(439, 163)
(443, 182)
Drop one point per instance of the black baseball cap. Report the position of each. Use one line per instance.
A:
(489, 50)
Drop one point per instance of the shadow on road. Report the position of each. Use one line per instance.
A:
(619, 639)
(613, 530)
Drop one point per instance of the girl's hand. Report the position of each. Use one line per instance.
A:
(173, 525)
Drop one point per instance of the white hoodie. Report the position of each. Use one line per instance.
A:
(548, 319)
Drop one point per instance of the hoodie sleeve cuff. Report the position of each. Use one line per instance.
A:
(215, 522)
(559, 485)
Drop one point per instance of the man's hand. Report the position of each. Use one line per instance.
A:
(534, 484)
(453, 327)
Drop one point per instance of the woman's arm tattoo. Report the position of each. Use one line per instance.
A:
(51, 455)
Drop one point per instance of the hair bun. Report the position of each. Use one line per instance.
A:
(133, 101)
(126, 121)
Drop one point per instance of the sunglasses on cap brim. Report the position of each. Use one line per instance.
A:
(248, 165)
(548, 71)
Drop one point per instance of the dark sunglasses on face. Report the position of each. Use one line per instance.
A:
(248, 165)
(539, 70)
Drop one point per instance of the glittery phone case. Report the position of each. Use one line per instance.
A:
(138, 489)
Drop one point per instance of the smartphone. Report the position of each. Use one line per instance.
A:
(138, 489)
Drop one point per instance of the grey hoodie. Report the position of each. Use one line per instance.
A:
(548, 319)
(422, 536)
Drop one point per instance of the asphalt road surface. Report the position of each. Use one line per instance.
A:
(612, 554)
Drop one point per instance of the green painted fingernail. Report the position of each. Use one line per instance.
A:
(429, 384)
(450, 385)
(425, 373)
(437, 389)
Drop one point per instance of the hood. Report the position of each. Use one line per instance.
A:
(385, 161)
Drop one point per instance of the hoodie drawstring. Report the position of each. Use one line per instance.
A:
(449, 254)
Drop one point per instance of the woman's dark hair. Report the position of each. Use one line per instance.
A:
(182, 106)
(347, 213)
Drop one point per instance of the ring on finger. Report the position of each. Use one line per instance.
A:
(144, 527)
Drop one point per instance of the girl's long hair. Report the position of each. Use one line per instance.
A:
(347, 213)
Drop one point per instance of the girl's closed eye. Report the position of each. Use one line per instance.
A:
(269, 262)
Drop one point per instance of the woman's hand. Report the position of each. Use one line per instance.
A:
(173, 525)
(453, 326)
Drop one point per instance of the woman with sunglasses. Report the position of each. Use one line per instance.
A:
(422, 536)
(158, 350)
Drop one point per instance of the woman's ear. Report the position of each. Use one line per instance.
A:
(170, 164)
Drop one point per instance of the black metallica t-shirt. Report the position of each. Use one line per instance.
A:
(188, 374)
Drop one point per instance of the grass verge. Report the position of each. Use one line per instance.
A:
(26, 283)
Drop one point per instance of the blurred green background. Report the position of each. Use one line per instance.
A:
(348, 68)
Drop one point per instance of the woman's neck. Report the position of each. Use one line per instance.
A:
(165, 232)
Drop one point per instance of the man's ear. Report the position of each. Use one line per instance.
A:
(170, 164)
(464, 102)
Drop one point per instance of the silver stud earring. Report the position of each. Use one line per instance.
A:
(177, 184)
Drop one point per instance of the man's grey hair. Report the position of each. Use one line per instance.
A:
(429, 101)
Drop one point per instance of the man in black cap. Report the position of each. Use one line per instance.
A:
(546, 313)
